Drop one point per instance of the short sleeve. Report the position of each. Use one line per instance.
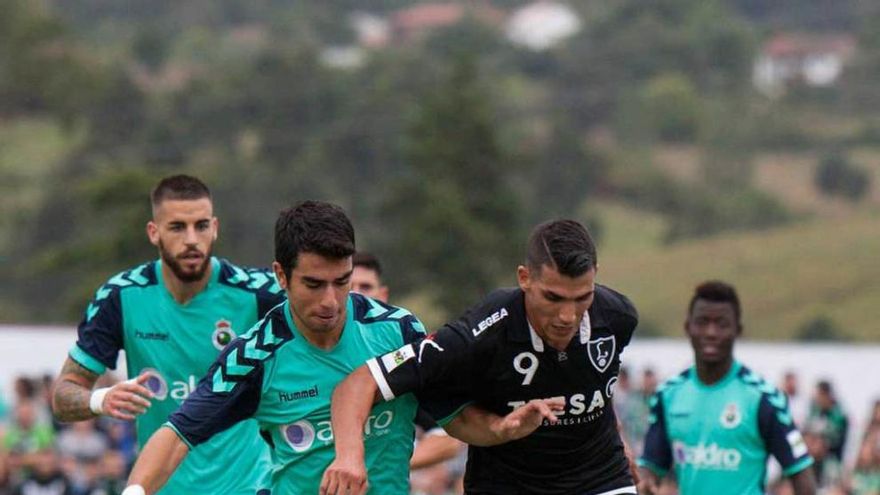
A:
(99, 335)
(228, 394)
(436, 360)
(657, 454)
(781, 437)
(624, 318)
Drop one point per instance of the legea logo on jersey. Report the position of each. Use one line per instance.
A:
(489, 321)
(157, 384)
(301, 435)
(711, 457)
(223, 334)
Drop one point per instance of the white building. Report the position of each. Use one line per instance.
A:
(814, 60)
(540, 25)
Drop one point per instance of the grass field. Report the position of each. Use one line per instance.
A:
(826, 267)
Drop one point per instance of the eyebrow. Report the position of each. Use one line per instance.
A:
(557, 296)
(313, 280)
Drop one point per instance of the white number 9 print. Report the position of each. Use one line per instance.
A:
(527, 364)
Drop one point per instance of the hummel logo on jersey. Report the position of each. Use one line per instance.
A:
(300, 394)
(489, 322)
(151, 335)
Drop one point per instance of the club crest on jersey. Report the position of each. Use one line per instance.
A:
(223, 334)
(601, 352)
(731, 417)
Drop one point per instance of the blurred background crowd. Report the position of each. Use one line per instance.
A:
(40, 456)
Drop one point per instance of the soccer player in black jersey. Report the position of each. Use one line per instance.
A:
(559, 334)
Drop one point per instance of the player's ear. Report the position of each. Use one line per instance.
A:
(279, 274)
(153, 233)
(215, 223)
(523, 277)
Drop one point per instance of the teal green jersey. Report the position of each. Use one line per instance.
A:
(176, 344)
(273, 374)
(718, 436)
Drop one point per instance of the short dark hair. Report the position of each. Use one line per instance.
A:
(368, 261)
(825, 387)
(565, 245)
(716, 291)
(180, 186)
(312, 227)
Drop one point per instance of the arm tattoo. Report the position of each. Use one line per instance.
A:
(70, 400)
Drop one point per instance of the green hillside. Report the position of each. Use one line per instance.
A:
(786, 277)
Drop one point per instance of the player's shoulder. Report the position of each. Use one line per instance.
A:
(142, 275)
(756, 383)
(250, 352)
(368, 310)
(376, 318)
(260, 281)
(500, 309)
(613, 303)
(675, 382)
(267, 335)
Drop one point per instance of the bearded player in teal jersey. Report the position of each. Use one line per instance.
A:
(283, 371)
(717, 422)
(172, 317)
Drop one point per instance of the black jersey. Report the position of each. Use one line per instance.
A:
(492, 357)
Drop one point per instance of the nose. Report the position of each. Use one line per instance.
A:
(192, 237)
(568, 314)
(328, 298)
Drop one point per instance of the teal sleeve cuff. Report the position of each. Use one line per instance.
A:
(177, 432)
(445, 421)
(87, 361)
(798, 467)
(659, 471)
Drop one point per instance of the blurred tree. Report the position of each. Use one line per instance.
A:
(672, 107)
(455, 216)
(150, 47)
(820, 329)
(836, 176)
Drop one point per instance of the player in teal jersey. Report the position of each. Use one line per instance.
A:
(172, 317)
(717, 422)
(282, 372)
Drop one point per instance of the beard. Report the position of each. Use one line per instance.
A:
(177, 268)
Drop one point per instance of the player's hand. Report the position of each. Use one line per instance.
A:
(345, 477)
(127, 399)
(526, 419)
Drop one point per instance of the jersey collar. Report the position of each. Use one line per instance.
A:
(583, 333)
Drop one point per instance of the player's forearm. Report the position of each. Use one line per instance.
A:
(804, 482)
(70, 402)
(475, 426)
(158, 460)
(434, 449)
(350, 407)
(72, 392)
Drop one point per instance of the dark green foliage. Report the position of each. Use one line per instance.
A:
(836, 176)
(455, 197)
(821, 329)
